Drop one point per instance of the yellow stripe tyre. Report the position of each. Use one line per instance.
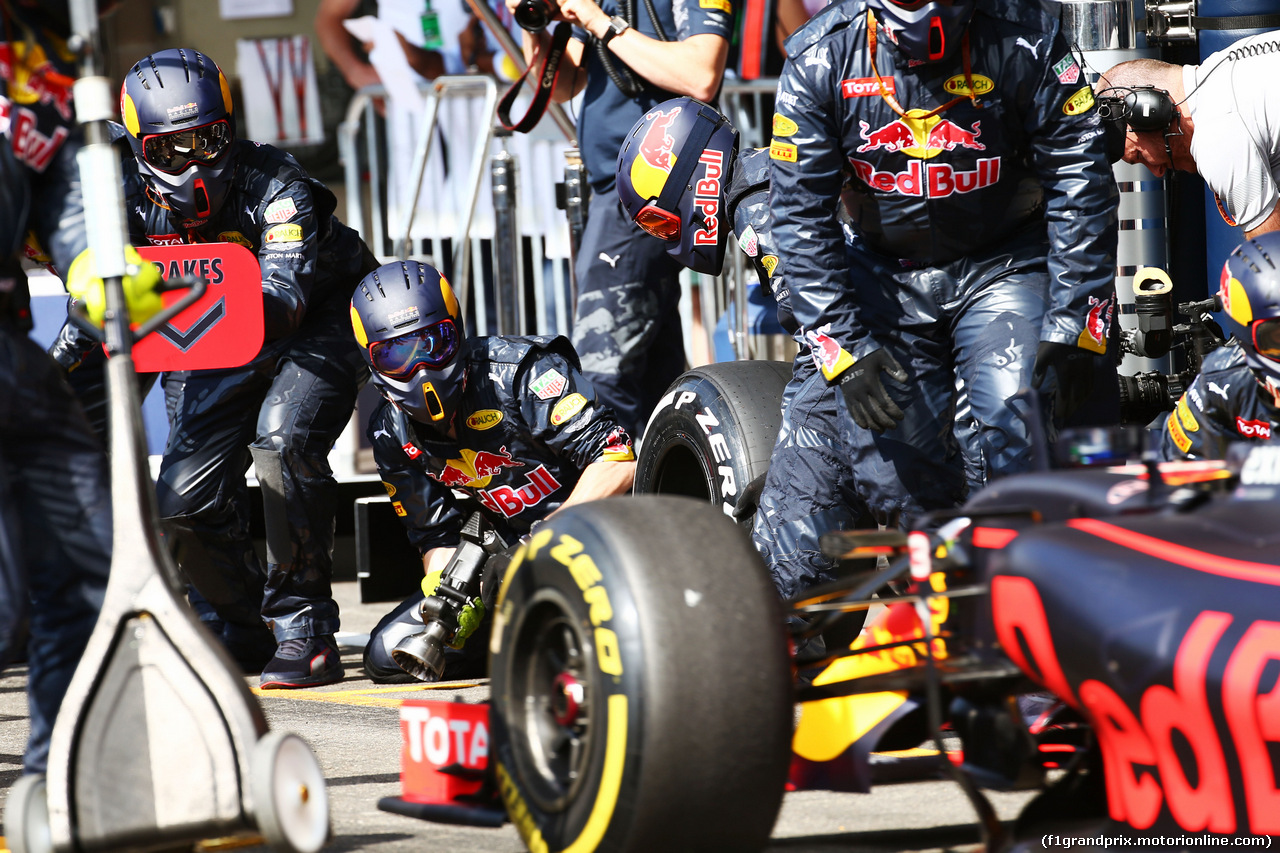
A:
(641, 683)
(713, 432)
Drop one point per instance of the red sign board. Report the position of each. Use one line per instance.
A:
(446, 750)
(224, 328)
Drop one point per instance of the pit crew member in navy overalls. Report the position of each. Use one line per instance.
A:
(283, 410)
(1236, 395)
(505, 424)
(55, 508)
(980, 252)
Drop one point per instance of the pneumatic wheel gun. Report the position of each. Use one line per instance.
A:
(453, 610)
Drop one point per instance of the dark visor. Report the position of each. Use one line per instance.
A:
(401, 357)
(1266, 337)
(173, 152)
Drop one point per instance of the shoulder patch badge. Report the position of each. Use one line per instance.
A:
(548, 385)
(567, 408)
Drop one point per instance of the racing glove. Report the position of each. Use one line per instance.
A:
(864, 392)
(1073, 367)
(140, 287)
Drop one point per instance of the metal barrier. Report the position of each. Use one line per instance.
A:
(499, 261)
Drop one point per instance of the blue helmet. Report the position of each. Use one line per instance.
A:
(176, 107)
(409, 325)
(673, 170)
(1250, 293)
(925, 30)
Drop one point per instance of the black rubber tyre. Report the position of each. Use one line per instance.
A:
(640, 681)
(712, 434)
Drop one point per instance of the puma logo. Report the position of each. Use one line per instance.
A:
(380, 431)
(1034, 48)
(613, 262)
(1220, 390)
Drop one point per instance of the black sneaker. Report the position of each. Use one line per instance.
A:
(303, 662)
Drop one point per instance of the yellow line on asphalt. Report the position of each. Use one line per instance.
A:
(375, 697)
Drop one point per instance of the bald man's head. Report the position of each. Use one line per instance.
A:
(1140, 72)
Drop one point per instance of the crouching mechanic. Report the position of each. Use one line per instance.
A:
(1236, 395)
(285, 409)
(505, 425)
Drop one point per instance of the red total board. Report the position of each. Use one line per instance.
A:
(224, 328)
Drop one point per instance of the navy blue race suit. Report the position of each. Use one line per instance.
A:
(527, 425)
(55, 507)
(283, 411)
(1225, 404)
(973, 235)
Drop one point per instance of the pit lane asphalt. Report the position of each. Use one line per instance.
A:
(354, 729)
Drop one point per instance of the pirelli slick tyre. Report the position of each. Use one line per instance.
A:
(712, 434)
(640, 683)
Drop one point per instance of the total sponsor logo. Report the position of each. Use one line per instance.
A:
(165, 239)
(474, 468)
(1253, 429)
(862, 87)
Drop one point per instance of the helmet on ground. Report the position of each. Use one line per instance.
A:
(409, 324)
(925, 30)
(672, 172)
(1250, 292)
(176, 107)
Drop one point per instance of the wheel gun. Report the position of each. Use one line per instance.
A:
(452, 611)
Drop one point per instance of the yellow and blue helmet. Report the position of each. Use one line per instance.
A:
(176, 106)
(409, 325)
(673, 170)
(1250, 293)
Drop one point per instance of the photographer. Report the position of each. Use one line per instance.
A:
(1236, 397)
(627, 326)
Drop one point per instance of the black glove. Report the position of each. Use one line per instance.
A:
(869, 403)
(1074, 369)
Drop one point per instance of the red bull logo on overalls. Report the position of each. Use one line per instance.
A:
(511, 501)
(924, 137)
(475, 468)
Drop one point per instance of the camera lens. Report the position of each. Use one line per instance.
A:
(1144, 396)
(534, 15)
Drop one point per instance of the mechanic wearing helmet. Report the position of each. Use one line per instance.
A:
(626, 324)
(507, 424)
(1217, 118)
(282, 411)
(982, 217)
(55, 501)
(1236, 395)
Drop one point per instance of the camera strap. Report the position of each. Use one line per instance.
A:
(548, 71)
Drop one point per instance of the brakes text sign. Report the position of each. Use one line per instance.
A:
(224, 328)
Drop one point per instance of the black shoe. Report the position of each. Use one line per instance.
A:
(303, 662)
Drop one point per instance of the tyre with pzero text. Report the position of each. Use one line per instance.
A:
(712, 434)
(640, 683)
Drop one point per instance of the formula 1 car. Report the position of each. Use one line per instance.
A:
(1105, 634)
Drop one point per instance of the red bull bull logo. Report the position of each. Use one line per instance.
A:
(828, 356)
(474, 469)
(920, 136)
(655, 155)
(1097, 322)
(34, 79)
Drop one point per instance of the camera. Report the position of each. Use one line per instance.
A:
(1144, 396)
(534, 15)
